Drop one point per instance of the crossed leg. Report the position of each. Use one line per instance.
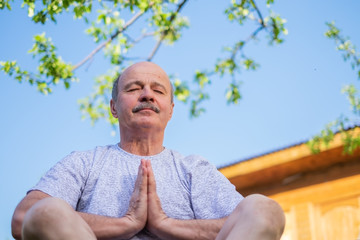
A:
(54, 219)
(255, 217)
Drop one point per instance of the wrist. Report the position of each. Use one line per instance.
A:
(161, 228)
(132, 226)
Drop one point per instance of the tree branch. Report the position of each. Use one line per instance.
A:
(262, 26)
(253, 35)
(261, 21)
(144, 35)
(343, 41)
(157, 46)
(98, 48)
(164, 33)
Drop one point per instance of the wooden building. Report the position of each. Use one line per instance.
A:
(319, 193)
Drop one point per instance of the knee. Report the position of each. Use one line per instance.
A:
(46, 209)
(264, 213)
(42, 214)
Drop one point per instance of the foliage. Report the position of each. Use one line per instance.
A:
(52, 69)
(350, 138)
(110, 29)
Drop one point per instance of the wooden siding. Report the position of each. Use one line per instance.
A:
(319, 193)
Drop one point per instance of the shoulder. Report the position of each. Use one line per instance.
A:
(93, 151)
(188, 158)
(88, 155)
(191, 162)
(197, 161)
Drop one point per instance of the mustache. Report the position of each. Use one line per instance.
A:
(144, 105)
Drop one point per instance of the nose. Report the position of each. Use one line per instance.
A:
(147, 95)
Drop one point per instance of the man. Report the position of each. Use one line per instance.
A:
(138, 189)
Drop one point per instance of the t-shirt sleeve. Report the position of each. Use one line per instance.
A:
(212, 194)
(66, 179)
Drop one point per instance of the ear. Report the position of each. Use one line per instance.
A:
(113, 108)
(171, 111)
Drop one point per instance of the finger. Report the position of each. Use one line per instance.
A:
(153, 198)
(139, 176)
(137, 212)
(156, 215)
(143, 176)
(141, 180)
(151, 178)
(144, 182)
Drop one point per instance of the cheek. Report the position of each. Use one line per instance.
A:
(126, 103)
(167, 112)
(124, 108)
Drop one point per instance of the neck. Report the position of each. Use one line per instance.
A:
(142, 143)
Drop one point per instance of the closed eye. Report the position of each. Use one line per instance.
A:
(133, 89)
(159, 91)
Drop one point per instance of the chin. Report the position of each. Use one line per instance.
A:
(146, 123)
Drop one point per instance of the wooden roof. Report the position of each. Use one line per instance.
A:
(284, 166)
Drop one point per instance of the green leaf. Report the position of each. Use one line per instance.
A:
(181, 91)
(232, 93)
(5, 3)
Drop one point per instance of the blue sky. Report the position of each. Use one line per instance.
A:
(295, 92)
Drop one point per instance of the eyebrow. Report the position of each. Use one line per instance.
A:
(127, 86)
(141, 84)
(156, 84)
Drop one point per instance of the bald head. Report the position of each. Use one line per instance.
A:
(146, 67)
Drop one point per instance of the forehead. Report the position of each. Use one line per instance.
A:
(144, 73)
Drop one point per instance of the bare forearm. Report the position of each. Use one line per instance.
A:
(110, 228)
(189, 229)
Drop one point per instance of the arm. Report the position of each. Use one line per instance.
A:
(168, 228)
(26, 203)
(111, 228)
(187, 229)
(103, 227)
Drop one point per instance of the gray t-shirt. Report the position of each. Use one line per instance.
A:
(101, 181)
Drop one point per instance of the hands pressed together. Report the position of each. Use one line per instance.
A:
(145, 207)
(145, 211)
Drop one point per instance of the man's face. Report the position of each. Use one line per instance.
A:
(144, 98)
